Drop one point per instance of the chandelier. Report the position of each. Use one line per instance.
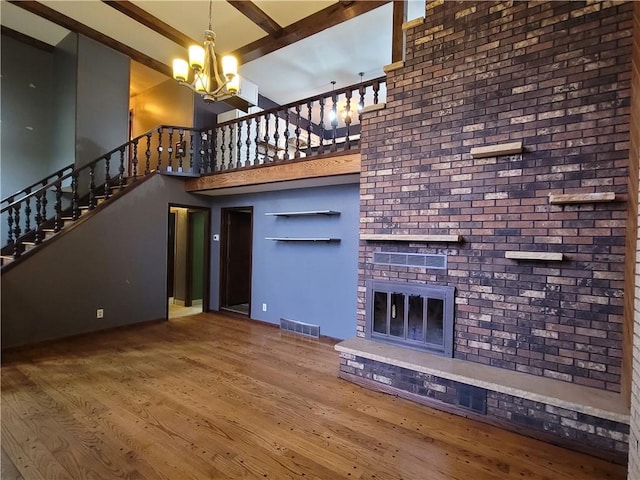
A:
(206, 79)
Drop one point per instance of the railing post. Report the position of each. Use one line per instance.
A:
(27, 211)
(276, 137)
(134, 160)
(321, 146)
(191, 151)
(285, 156)
(334, 121)
(75, 198)
(222, 148)
(347, 119)
(256, 161)
(266, 137)
(170, 152)
(10, 222)
(92, 186)
(147, 168)
(180, 152)
(159, 165)
(230, 146)
(107, 176)
(297, 132)
(248, 142)
(57, 226)
(39, 218)
(17, 248)
(121, 169)
(239, 145)
(309, 110)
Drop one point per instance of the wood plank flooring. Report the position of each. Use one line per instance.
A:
(216, 397)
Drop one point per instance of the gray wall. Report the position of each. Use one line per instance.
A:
(310, 282)
(102, 116)
(115, 261)
(25, 153)
(63, 151)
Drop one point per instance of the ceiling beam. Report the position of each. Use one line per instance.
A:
(136, 13)
(69, 23)
(257, 16)
(319, 21)
(21, 37)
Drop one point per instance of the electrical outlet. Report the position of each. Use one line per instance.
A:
(100, 313)
(264, 307)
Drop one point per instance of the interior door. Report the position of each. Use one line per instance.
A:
(237, 233)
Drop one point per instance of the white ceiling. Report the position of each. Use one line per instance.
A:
(302, 69)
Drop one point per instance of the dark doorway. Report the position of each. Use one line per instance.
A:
(235, 259)
(187, 261)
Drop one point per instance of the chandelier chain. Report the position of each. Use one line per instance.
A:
(210, 6)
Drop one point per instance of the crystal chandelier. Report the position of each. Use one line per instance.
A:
(206, 79)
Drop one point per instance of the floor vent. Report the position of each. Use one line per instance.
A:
(300, 328)
(473, 398)
(422, 260)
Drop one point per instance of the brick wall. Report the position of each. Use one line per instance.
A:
(634, 318)
(555, 75)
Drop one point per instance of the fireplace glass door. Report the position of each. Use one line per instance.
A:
(417, 316)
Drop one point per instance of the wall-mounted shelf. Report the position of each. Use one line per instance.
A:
(538, 256)
(303, 239)
(302, 214)
(566, 198)
(371, 237)
(496, 150)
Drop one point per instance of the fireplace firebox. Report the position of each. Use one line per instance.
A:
(411, 315)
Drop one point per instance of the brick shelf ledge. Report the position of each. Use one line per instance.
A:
(496, 150)
(587, 400)
(565, 198)
(373, 237)
(537, 256)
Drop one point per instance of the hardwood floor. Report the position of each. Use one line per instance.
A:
(212, 397)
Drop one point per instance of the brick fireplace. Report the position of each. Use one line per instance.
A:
(503, 146)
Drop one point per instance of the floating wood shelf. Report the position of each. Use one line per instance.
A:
(581, 197)
(302, 214)
(410, 238)
(303, 239)
(544, 256)
(496, 150)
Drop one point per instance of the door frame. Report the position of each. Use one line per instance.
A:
(224, 249)
(206, 287)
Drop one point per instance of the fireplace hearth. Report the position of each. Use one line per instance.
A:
(412, 315)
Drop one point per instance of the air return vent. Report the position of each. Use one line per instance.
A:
(420, 260)
(473, 398)
(301, 328)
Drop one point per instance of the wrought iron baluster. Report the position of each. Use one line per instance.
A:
(170, 151)
(361, 90)
(160, 148)
(276, 137)
(201, 166)
(27, 211)
(334, 121)
(210, 158)
(191, 151)
(376, 91)
(107, 176)
(134, 161)
(147, 168)
(297, 132)
(239, 144)
(17, 248)
(45, 201)
(57, 226)
(92, 186)
(10, 222)
(121, 169)
(321, 146)
(347, 119)
(286, 135)
(230, 161)
(256, 160)
(75, 197)
(247, 142)
(39, 218)
(180, 149)
(223, 148)
(309, 109)
(266, 137)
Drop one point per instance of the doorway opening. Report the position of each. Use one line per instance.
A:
(187, 261)
(235, 259)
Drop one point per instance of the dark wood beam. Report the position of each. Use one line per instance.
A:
(136, 13)
(257, 16)
(397, 36)
(58, 18)
(319, 21)
(21, 37)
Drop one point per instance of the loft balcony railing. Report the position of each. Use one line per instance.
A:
(319, 125)
(316, 126)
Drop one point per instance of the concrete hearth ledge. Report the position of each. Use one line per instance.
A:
(587, 400)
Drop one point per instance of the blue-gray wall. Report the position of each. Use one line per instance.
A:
(25, 152)
(309, 282)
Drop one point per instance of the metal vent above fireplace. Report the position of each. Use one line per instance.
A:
(424, 260)
(412, 315)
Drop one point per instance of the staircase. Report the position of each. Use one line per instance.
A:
(42, 211)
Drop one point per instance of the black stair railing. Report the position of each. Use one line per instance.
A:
(30, 215)
(322, 124)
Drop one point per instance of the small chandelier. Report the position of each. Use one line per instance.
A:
(206, 79)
